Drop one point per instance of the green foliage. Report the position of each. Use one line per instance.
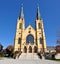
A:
(1, 47)
(57, 60)
(9, 51)
(2, 55)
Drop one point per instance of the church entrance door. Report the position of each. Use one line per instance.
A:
(25, 49)
(30, 49)
(35, 49)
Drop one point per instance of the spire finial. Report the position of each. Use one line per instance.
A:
(21, 13)
(38, 12)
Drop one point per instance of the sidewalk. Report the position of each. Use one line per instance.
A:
(27, 61)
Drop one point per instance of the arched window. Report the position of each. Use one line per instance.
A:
(30, 39)
(19, 40)
(41, 40)
(39, 26)
(20, 25)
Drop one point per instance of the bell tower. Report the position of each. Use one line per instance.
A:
(19, 30)
(40, 36)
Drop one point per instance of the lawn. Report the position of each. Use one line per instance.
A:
(57, 60)
(1, 58)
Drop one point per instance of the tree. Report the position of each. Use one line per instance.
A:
(1, 47)
(9, 50)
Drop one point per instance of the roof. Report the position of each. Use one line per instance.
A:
(51, 47)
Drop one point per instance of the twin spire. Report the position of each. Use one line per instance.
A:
(38, 17)
(21, 13)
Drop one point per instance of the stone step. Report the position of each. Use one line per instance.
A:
(28, 56)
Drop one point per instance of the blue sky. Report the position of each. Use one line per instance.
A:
(10, 11)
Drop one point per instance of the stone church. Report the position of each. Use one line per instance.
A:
(30, 40)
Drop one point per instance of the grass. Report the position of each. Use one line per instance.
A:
(1, 58)
(57, 60)
(54, 60)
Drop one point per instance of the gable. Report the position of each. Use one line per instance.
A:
(30, 28)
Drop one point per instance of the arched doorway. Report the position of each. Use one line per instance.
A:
(35, 49)
(25, 49)
(30, 39)
(30, 49)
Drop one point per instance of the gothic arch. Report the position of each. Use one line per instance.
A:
(30, 39)
(25, 49)
(41, 40)
(19, 40)
(35, 49)
(30, 49)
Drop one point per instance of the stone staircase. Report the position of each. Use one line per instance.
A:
(28, 56)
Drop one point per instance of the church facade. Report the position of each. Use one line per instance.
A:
(30, 40)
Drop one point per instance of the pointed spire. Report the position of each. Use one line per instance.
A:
(38, 13)
(21, 13)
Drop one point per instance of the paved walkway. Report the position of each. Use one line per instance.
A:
(29, 61)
